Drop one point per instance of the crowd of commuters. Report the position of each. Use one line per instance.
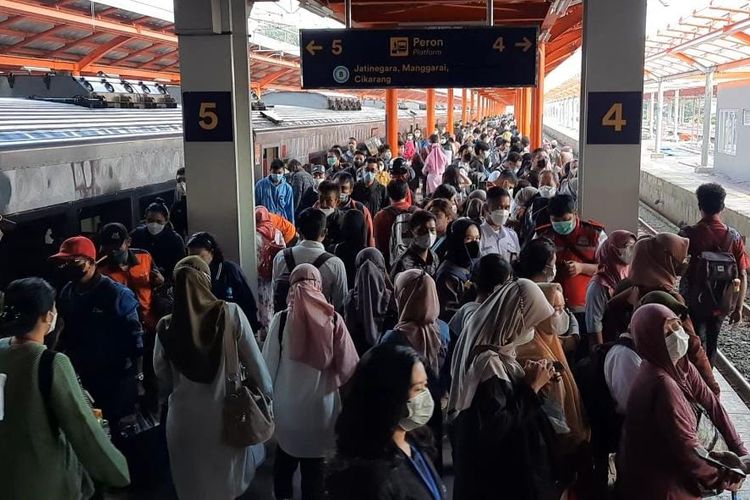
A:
(444, 291)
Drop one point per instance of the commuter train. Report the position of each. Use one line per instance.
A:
(67, 169)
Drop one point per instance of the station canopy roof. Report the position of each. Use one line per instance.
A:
(713, 38)
(560, 21)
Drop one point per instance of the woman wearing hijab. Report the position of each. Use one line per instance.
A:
(522, 204)
(434, 165)
(453, 273)
(310, 355)
(499, 431)
(614, 257)
(371, 304)
(562, 400)
(355, 241)
(418, 327)
(657, 263)
(268, 241)
(189, 362)
(657, 457)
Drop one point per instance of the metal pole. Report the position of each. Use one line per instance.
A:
(659, 117)
(707, 114)
(490, 12)
(348, 13)
(651, 103)
(677, 115)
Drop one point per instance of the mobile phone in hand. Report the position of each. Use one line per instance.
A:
(703, 455)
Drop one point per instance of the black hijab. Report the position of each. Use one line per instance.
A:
(457, 252)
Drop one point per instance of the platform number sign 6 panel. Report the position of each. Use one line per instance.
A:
(614, 118)
(207, 116)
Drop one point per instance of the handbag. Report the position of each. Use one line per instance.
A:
(708, 435)
(247, 413)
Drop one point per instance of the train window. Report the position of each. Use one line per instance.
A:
(91, 218)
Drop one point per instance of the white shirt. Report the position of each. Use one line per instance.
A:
(620, 368)
(333, 272)
(306, 402)
(504, 242)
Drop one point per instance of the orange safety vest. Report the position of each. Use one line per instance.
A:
(578, 246)
(137, 277)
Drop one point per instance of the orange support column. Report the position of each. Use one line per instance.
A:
(430, 112)
(464, 105)
(517, 105)
(450, 119)
(391, 117)
(527, 110)
(473, 106)
(538, 120)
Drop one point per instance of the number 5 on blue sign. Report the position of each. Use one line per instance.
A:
(614, 118)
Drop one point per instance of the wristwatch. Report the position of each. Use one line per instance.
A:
(139, 377)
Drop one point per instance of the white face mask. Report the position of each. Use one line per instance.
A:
(560, 322)
(625, 254)
(425, 241)
(154, 228)
(53, 324)
(327, 211)
(420, 409)
(318, 181)
(499, 217)
(525, 337)
(549, 273)
(547, 191)
(677, 344)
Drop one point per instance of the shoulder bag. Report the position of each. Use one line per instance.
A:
(248, 413)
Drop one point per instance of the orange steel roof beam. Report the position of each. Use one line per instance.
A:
(159, 57)
(55, 16)
(265, 81)
(742, 37)
(685, 58)
(145, 50)
(19, 62)
(73, 43)
(97, 54)
(33, 37)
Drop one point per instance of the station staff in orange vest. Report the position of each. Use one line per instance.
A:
(576, 242)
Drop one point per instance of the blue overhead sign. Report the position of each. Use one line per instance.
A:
(419, 58)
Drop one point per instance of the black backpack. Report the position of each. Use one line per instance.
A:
(600, 406)
(711, 286)
(281, 285)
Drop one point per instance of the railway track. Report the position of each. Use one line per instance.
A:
(736, 379)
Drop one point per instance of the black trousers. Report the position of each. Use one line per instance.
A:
(312, 471)
(708, 331)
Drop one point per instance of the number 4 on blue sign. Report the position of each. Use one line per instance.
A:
(613, 117)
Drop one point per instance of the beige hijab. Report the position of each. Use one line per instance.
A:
(547, 345)
(194, 333)
(487, 346)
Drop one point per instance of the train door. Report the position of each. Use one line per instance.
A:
(269, 155)
(91, 218)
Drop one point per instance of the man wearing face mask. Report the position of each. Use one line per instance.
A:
(347, 202)
(335, 162)
(131, 267)
(103, 335)
(275, 193)
(419, 255)
(312, 193)
(481, 161)
(384, 152)
(369, 191)
(179, 207)
(328, 202)
(576, 242)
(358, 164)
(496, 237)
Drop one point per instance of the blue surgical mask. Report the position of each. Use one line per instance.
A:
(369, 177)
(276, 178)
(564, 227)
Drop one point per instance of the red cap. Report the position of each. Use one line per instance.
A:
(77, 246)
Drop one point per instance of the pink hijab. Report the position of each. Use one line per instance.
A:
(434, 167)
(319, 335)
(612, 270)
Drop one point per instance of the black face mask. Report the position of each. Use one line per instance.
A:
(119, 257)
(473, 249)
(358, 163)
(72, 273)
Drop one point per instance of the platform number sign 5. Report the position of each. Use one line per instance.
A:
(614, 117)
(207, 116)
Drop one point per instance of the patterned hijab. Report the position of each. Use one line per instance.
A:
(612, 269)
(487, 345)
(418, 308)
